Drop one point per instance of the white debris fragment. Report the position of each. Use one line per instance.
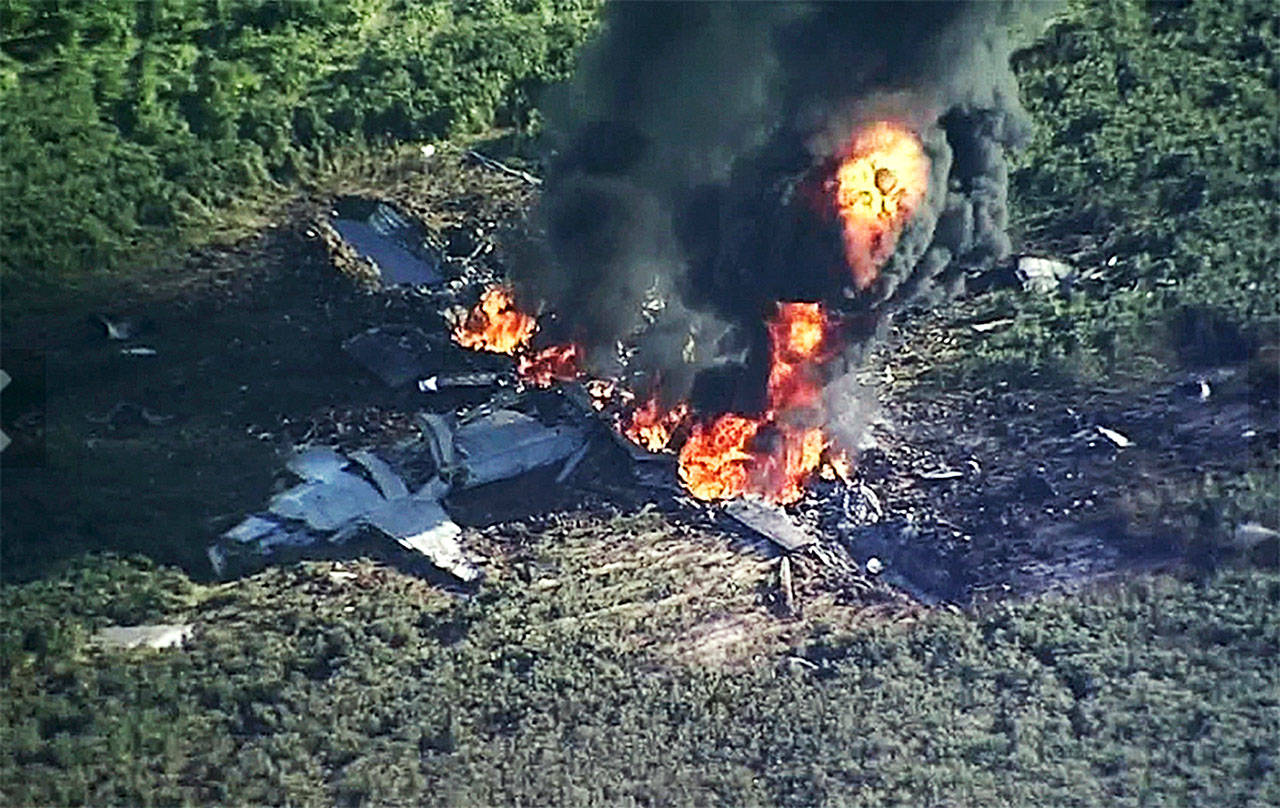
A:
(991, 325)
(1115, 437)
(1042, 275)
(1251, 534)
(1205, 392)
(158, 636)
(874, 566)
(440, 544)
(941, 474)
(140, 350)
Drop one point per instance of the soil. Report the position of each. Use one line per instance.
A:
(979, 493)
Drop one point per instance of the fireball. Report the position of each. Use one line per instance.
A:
(879, 185)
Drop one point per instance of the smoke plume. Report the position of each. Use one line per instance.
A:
(684, 198)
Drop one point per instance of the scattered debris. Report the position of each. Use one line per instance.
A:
(158, 636)
(506, 443)
(396, 246)
(395, 354)
(769, 521)
(127, 414)
(434, 384)
(1252, 534)
(139, 350)
(489, 162)
(940, 475)
(121, 329)
(1115, 437)
(1043, 276)
(991, 325)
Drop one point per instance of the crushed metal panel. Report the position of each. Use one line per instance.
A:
(769, 521)
(251, 529)
(507, 443)
(388, 482)
(401, 518)
(395, 354)
(327, 505)
(437, 432)
(317, 463)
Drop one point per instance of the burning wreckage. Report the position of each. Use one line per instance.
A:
(741, 198)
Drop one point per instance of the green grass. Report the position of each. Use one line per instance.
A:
(1155, 169)
(133, 126)
(303, 690)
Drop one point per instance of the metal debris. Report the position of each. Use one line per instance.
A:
(327, 505)
(139, 350)
(785, 586)
(395, 354)
(770, 522)
(1115, 437)
(991, 325)
(1043, 275)
(874, 566)
(121, 329)
(387, 481)
(489, 162)
(434, 384)
(507, 443)
(940, 475)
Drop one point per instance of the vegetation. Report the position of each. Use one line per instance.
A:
(570, 679)
(127, 123)
(1155, 169)
(321, 686)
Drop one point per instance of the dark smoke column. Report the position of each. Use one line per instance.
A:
(696, 145)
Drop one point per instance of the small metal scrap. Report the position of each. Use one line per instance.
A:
(786, 587)
(874, 566)
(939, 475)
(991, 325)
(1115, 437)
(434, 384)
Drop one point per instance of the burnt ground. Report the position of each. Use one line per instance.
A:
(976, 490)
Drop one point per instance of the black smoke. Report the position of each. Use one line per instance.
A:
(680, 200)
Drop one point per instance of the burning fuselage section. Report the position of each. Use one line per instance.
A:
(743, 194)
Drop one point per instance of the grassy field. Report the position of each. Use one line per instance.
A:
(319, 685)
(131, 127)
(1155, 170)
(600, 666)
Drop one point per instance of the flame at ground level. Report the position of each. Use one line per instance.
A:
(768, 456)
(772, 455)
(495, 324)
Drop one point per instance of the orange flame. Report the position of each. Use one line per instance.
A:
(715, 462)
(652, 427)
(557, 363)
(495, 324)
(878, 186)
(725, 459)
